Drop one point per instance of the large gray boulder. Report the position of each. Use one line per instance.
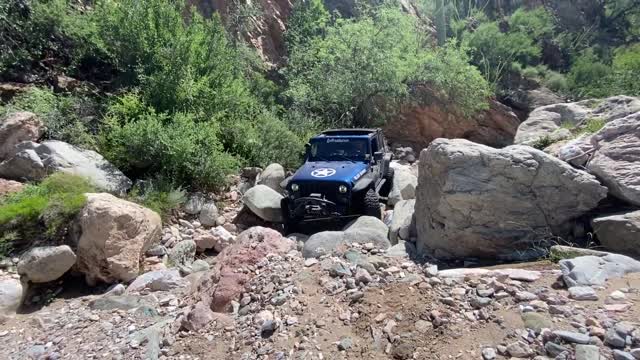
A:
(264, 202)
(551, 121)
(34, 161)
(596, 270)
(46, 263)
(403, 187)
(477, 201)
(400, 228)
(11, 294)
(619, 232)
(365, 229)
(272, 176)
(617, 158)
(112, 236)
(16, 128)
(325, 242)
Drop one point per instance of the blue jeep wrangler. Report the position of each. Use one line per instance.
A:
(345, 174)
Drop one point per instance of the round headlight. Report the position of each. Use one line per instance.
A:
(295, 187)
(343, 189)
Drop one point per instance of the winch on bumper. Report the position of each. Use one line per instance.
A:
(313, 208)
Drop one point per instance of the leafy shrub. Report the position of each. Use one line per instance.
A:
(66, 118)
(589, 77)
(142, 143)
(493, 51)
(542, 143)
(557, 82)
(530, 72)
(49, 205)
(448, 70)
(626, 70)
(309, 19)
(538, 22)
(592, 125)
(159, 195)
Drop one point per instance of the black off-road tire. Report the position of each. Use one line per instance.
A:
(289, 224)
(371, 205)
(388, 183)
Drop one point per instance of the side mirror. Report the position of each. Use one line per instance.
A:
(378, 155)
(307, 149)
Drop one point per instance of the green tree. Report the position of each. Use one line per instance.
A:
(589, 76)
(344, 77)
(309, 19)
(441, 22)
(626, 70)
(494, 51)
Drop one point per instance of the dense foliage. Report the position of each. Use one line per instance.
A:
(577, 55)
(345, 73)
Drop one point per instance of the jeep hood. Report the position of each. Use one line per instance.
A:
(347, 172)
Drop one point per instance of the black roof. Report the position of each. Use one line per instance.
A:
(349, 131)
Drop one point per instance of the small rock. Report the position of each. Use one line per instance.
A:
(488, 353)
(613, 339)
(554, 349)
(572, 337)
(525, 296)
(310, 262)
(157, 250)
(268, 328)
(536, 321)
(582, 293)
(362, 276)
(519, 349)
(622, 355)
(345, 344)
(587, 352)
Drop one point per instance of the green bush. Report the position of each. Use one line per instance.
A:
(626, 70)
(538, 23)
(589, 77)
(66, 118)
(144, 143)
(43, 210)
(493, 51)
(530, 72)
(557, 82)
(592, 125)
(159, 195)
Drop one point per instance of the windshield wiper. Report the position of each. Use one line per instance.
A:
(344, 157)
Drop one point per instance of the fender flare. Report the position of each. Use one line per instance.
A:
(364, 183)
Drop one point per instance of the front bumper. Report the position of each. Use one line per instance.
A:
(314, 208)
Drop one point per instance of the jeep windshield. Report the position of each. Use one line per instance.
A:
(339, 149)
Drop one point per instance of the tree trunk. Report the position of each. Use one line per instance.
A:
(441, 23)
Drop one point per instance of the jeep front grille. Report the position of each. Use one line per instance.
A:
(328, 190)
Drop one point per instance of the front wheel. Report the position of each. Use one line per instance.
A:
(388, 183)
(372, 204)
